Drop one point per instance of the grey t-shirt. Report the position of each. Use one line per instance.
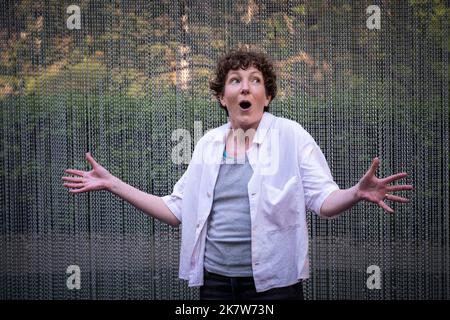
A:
(228, 239)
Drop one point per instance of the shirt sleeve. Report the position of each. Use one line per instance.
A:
(174, 200)
(316, 176)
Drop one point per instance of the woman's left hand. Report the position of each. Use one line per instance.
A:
(373, 189)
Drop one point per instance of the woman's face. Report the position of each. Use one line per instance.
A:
(245, 97)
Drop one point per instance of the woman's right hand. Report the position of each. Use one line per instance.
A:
(97, 179)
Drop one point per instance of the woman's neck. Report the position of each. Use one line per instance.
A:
(238, 141)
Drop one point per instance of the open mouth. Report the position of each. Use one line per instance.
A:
(245, 104)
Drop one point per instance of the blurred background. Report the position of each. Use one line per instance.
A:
(135, 71)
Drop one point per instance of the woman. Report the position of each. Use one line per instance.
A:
(242, 201)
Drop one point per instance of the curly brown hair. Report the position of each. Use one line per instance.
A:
(244, 58)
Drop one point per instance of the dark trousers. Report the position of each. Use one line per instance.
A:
(218, 287)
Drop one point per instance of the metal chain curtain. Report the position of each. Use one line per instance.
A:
(135, 71)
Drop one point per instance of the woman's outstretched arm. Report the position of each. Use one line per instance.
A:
(369, 188)
(100, 179)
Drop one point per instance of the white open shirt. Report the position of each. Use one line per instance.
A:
(290, 175)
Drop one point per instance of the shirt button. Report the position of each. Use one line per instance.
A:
(198, 225)
(253, 194)
(208, 194)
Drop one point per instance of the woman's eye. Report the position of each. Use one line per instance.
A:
(256, 80)
(234, 80)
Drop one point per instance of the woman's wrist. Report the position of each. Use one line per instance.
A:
(357, 193)
(112, 184)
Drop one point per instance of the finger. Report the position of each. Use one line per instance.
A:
(394, 177)
(72, 179)
(385, 207)
(373, 168)
(91, 160)
(73, 185)
(396, 198)
(400, 187)
(75, 172)
(79, 190)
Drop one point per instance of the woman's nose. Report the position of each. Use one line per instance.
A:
(245, 88)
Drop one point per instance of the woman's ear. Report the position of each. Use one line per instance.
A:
(222, 101)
